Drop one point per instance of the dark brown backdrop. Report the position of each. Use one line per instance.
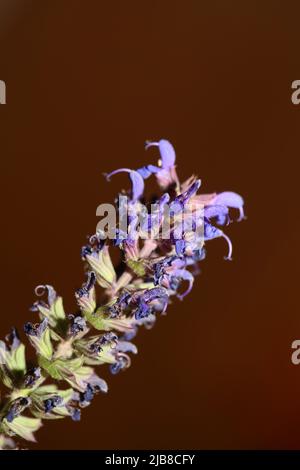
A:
(87, 83)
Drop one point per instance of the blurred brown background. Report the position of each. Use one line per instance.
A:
(87, 83)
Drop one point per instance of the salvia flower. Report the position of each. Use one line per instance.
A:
(156, 268)
(53, 402)
(40, 337)
(78, 324)
(32, 377)
(136, 180)
(100, 263)
(12, 360)
(151, 299)
(86, 295)
(165, 173)
(16, 408)
(52, 310)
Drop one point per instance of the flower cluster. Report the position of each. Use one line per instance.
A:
(110, 307)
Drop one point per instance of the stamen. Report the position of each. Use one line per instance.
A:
(229, 256)
(120, 170)
(148, 144)
(136, 180)
(40, 290)
(242, 214)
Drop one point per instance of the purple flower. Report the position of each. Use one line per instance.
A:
(121, 304)
(126, 347)
(122, 362)
(218, 212)
(180, 247)
(87, 396)
(211, 232)
(78, 324)
(51, 297)
(13, 339)
(230, 199)
(171, 272)
(152, 222)
(98, 384)
(136, 180)
(183, 198)
(16, 408)
(109, 338)
(120, 237)
(165, 174)
(75, 413)
(85, 296)
(52, 402)
(167, 152)
(37, 329)
(32, 376)
(183, 275)
(146, 302)
(129, 335)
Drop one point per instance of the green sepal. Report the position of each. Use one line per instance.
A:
(54, 313)
(16, 361)
(101, 321)
(95, 319)
(103, 267)
(79, 378)
(137, 266)
(12, 364)
(22, 426)
(51, 367)
(45, 392)
(6, 379)
(70, 370)
(43, 344)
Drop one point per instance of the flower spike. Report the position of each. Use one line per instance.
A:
(70, 347)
